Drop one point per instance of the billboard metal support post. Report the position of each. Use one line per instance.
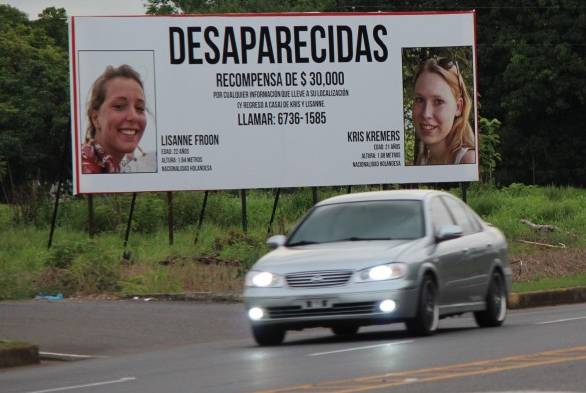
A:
(58, 196)
(244, 217)
(90, 206)
(127, 234)
(277, 193)
(464, 188)
(170, 216)
(201, 215)
(54, 218)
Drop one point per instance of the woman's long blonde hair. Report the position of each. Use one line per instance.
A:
(98, 92)
(461, 134)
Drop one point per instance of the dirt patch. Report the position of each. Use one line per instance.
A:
(548, 263)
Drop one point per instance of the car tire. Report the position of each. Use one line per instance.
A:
(268, 335)
(345, 330)
(496, 303)
(426, 321)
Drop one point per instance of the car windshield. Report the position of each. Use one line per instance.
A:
(355, 221)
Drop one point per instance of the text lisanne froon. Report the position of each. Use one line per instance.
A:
(190, 139)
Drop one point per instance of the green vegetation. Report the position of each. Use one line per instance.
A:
(9, 345)
(77, 264)
(562, 207)
(530, 107)
(537, 101)
(546, 283)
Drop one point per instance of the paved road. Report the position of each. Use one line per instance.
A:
(206, 348)
(105, 328)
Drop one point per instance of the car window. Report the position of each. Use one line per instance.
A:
(474, 218)
(370, 220)
(461, 216)
(439, 214)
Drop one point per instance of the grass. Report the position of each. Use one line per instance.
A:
(562, 207)
(79, 265)
(578, 280)
(8, 345)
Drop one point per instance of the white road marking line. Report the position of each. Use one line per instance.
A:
(70, 355)
(560, 320)
(89, 385)
(360, 348)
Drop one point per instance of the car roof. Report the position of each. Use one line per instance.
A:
(381, 195)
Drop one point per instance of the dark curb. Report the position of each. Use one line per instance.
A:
(547, 298)
(193, 297)
(21, 354)
(516, 300)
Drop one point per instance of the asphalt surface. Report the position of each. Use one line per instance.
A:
(71, 329)
(538, 349)
(113, 327)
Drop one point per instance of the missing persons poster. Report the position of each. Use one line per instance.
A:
(271, 100)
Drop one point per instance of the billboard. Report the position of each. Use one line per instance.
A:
(166, 103)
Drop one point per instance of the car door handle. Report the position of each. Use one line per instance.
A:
(465, 251)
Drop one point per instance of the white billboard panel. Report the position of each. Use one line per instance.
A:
(270, 100)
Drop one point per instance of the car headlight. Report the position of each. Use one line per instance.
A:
(389, 271)
(255, 278)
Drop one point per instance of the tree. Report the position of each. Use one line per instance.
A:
(34, 103)
(162, 7)
(489, 148)
(531, 70)
(532, 76)
(53, 21)
(10, 17)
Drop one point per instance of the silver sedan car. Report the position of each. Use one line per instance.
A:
(412, 256)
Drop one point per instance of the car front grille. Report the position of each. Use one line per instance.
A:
(316, 279)
(336, 309)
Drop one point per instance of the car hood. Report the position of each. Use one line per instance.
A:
(354, 255)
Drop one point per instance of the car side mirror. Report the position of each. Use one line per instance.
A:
(447, 232)
(276, 241)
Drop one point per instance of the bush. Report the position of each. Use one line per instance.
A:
(78, 267)
(486, 204)
(149, 214)
(61, 256)
(151, 281)
(96, 271)
(14, 284)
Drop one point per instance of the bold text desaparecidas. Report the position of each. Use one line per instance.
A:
(277, 44)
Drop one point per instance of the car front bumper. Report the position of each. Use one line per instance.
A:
(327, 308)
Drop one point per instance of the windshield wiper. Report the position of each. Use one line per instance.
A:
(301, 243)
(357, 239)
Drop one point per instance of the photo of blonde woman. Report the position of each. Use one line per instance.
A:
(440, 109)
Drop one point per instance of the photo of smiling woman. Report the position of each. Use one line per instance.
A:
(116, 123)
(440, 112)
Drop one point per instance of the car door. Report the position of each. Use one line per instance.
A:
(474, 267)
(447, 254)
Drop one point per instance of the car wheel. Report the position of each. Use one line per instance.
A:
(427, 319)
(268, 335)
(496, 304)
(345, 330)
